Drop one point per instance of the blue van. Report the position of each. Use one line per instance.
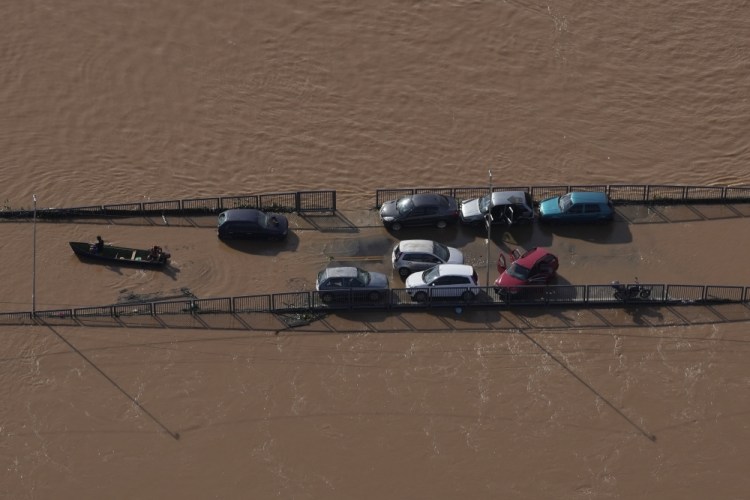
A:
(577, 206)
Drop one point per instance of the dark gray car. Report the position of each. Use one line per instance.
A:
(350, 283)
(424, 209)
(249, 224)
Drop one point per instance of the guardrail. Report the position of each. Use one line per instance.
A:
(296, 201)
(619, 193)
(325, 201)
(291, 302)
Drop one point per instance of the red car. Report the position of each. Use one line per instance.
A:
(535, 267)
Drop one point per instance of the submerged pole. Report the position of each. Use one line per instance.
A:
(488, 222)
(33, 265)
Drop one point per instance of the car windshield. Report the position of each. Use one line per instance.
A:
(484, 204)
(263, 220)
(518, 271)
(363, 276)
(441, 251)
(565, 202)
(404, 206)
(431, 274)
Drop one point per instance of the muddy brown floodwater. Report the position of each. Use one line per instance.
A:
(108, 103)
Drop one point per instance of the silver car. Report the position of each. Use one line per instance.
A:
(506, 207)
(409, 256)
(350, 283)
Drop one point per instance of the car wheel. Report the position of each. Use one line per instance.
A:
(645, 293)
(396, 226)
(327, 298)
(442, 224)
(404, 272)
(467, 296)
(374, 296)
(420, 297)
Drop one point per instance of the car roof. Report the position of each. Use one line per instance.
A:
(426, 246)
(588, 197)
(508, 197)
(341, 272)
(455, 270)
(243, 214)
(426, 199)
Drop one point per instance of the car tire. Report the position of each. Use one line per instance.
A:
(645, 293)
(420, 297)
(396, 226)
(404, 272)
(467, 296)
(441, 224)
(374, 296)
(327, 298)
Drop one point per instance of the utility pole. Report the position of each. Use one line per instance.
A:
(488, 223)
(33, 267)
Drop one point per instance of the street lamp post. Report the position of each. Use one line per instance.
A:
(33, 266)
(488, 223)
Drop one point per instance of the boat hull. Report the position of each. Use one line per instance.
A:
(115, 255)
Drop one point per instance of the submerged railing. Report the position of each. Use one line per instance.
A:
(620, 194)
(325, 201)
(296, 201)
(399, 299)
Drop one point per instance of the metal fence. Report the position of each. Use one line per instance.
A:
(395, 299)
(325, 201)
(296, 201)
(619, 194)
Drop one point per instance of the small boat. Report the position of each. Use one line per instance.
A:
(153, 257)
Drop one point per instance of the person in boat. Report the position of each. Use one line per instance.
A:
(98, 247)
(155, 253)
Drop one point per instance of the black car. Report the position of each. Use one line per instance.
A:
(424, 209)
(249, 223)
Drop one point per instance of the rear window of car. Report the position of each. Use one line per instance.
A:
(441, 251)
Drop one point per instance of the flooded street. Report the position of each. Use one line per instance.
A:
(136, 102)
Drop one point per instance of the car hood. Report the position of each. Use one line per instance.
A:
(414, 280)
(470, 210)
(550, 206)
(506, 280)
(377, 280)
(388, 209)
